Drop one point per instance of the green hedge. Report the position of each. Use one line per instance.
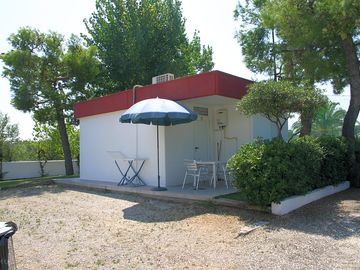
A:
(357, 149)
(335, 162)
(269, 171)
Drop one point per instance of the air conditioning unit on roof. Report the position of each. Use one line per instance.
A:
(162, 78)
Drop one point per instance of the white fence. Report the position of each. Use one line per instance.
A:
(29, 169)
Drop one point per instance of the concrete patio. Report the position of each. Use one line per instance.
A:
(204, 193)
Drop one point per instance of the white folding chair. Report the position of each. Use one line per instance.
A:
(225, 173)
(194, 170)
(222, 173)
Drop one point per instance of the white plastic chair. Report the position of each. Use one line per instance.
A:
(192, 169)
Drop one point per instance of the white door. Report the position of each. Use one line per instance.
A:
(201, 138)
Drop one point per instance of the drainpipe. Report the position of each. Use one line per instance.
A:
(134, 92)
(136, 126)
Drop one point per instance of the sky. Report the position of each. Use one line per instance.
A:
(213, 18)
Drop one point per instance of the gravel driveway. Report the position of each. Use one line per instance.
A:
(62, 228)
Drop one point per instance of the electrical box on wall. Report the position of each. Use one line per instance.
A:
(221, 118)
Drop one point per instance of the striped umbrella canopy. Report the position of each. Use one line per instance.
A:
(159, 112)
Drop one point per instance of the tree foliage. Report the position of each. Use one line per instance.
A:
(278, 100)
(260, 45)
(138, 40)
(46, 138)
(47, 143)
(331, 30)
(22, 150)
(328, 120)
(316, 29)
(47, 75)
(9, 133)
(267, 52)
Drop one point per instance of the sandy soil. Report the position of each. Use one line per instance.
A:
(62, 228)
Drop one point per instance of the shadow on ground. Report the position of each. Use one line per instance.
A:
(337, 216)
(150, 210)
(28, 190)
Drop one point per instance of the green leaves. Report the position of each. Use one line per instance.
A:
(197, 57)
(335, 163)
(260, 45)
(47, 141)
(9, 134)
(327, 120)
(316, 30)
(138, 40)
(269, 171)
(45, 73)
(47, 76)
(269, 98)
(278, 100)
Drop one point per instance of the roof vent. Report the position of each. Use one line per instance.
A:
(162, 78)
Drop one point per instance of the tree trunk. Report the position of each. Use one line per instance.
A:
(1, 160)
(273, 54)
(1, 173)
(64, 142)
(352, 65)
(306, 123)
(279, 129)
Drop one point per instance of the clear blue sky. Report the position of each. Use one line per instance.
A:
(213, 18)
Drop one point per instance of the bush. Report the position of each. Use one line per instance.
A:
(335, 162)
(357, 149)
(269, 171)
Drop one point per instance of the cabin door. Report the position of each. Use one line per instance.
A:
(201, 138)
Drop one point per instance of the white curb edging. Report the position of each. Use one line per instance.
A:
(295, 202)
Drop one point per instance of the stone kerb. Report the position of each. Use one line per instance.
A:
(290, 204)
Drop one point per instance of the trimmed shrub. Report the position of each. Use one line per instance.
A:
(335, 162)
(269, 171)
(357, 149)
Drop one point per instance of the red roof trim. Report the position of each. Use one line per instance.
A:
(195, 86)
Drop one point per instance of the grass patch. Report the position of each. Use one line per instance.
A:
(100, 262)
(237, 196)
(71, 265)
(46, 180)
(208, 203)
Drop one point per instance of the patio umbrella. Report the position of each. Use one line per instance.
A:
(159, 112)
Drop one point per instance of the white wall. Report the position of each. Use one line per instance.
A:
(264, 129)
(179, 140)
(29, 169)
(179, 145)
(235, 134)
(102, 133)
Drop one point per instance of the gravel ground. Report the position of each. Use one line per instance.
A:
(62, 228)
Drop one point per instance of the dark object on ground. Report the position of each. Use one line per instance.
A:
(7, 256)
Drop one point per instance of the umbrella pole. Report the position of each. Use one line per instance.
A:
(158, 165)
(158, 188)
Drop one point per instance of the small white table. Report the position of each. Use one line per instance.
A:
(135, 179)
(214, 165)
